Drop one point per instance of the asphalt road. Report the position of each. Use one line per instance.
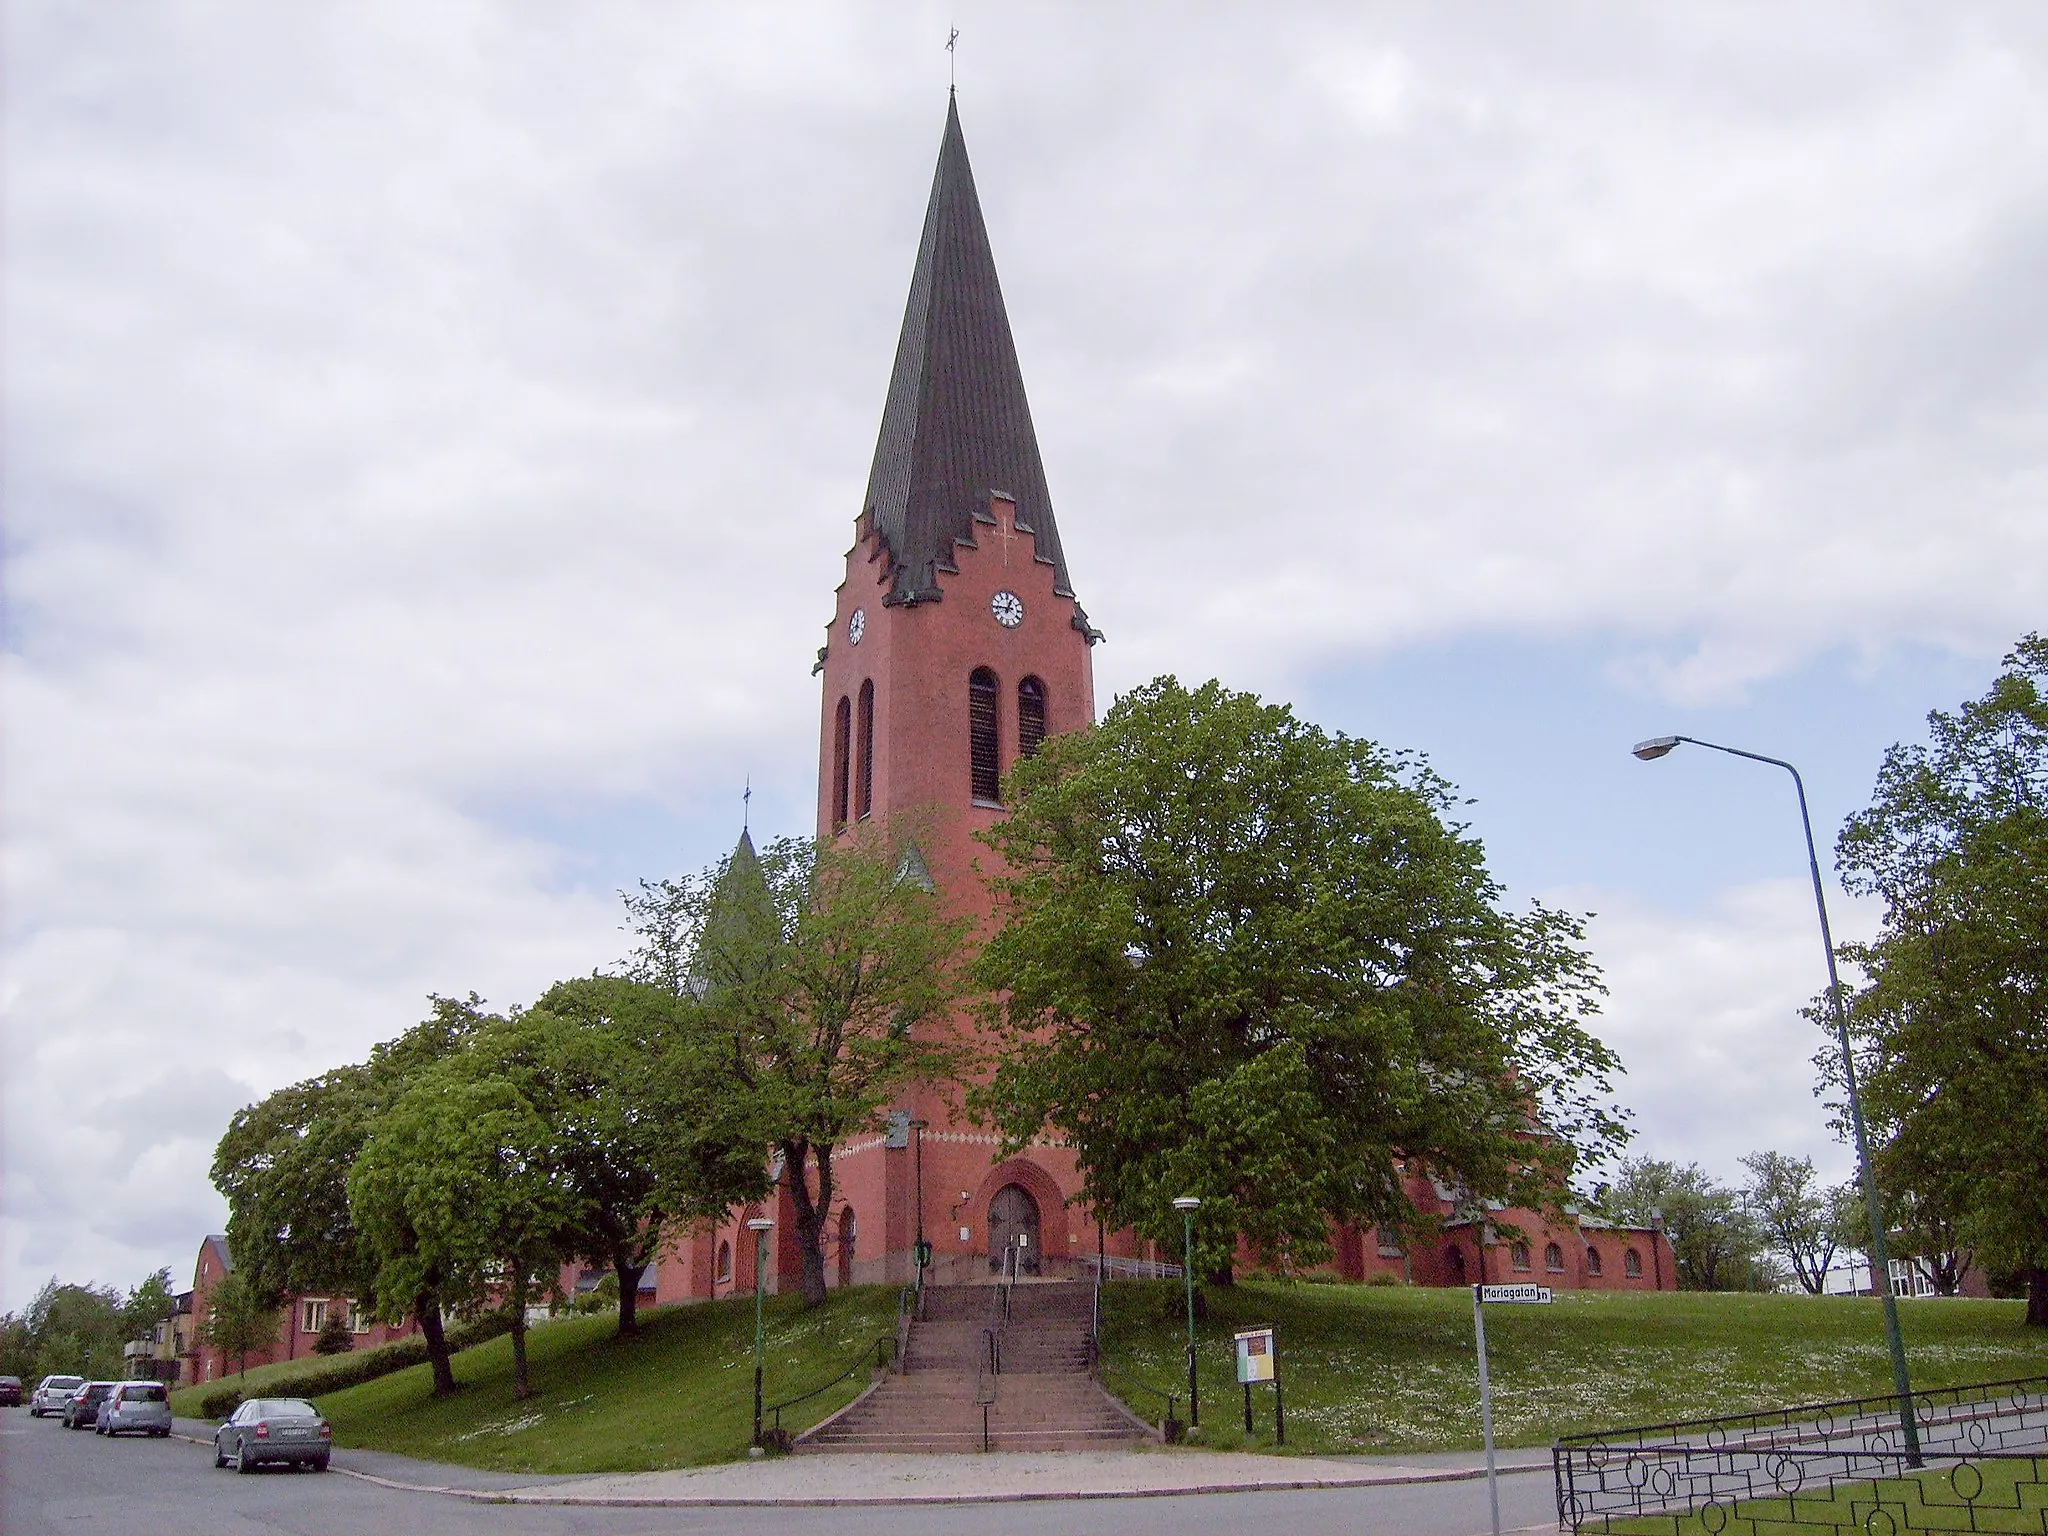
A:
(53, 1480)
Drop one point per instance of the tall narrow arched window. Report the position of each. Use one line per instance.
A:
(842, 731)
(864, 779)
(1030, 716)
(984, 759)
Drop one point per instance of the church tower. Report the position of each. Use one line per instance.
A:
(956, 644)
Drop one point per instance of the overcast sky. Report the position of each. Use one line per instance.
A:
(433, 432)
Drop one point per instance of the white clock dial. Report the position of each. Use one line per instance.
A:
(857, 625)
(1008, 608)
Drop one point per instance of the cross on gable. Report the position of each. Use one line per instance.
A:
(1006, 527)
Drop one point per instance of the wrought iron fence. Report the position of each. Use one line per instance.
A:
(1821, 1467)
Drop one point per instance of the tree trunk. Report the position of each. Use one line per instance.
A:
(426, 1311)
(810, 1214)
(628, 1274)
(2037, 1298)
(520, 1388)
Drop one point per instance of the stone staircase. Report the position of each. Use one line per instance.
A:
(1044, 1398)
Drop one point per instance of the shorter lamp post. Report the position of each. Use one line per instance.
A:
(1187, 1205)
(759, 1226)
(1880, 1265)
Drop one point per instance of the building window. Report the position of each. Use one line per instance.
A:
(1390, 1243)
(865, 778)
(983, 755)
(358, 1318)
(1518, 1255)
(1632, 1264)
(725, 1263)
(1592, 1260)
(1553, 1258)
(842, 733)
(312, 1315)
(1030, 716)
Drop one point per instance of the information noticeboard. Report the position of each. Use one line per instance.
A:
(1255, 1356)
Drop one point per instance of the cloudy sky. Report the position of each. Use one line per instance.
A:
(432, 433)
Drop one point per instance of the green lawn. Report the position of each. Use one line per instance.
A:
(679, 1395)
(1391, 1368)
(1990, 1495)
(1366, 1368)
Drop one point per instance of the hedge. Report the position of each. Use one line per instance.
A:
(332, 1373)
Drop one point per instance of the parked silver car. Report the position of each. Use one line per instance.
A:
(136, 1408)
(286, 1429)
(51, 1393)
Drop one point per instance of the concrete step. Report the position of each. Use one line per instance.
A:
(938, 1412)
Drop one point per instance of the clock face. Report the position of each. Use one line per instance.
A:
(857, 625)
(1008, 608)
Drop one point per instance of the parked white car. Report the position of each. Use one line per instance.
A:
(51, 1394)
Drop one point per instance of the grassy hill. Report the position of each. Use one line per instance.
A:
(1366, 1368)
(1371, 1368)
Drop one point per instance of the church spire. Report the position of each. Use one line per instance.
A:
(957, 424)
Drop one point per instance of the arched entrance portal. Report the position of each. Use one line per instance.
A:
(1012, 1215)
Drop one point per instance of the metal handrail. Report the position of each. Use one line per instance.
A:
(1101, 1369)
(874, 1348)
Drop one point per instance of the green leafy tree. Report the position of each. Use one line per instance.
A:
(460, 1185)
(651, 1139)
(335, 1337)
(1717, 1243)
(69, 1330)
(1243, 959)
(1950, 1027)
(148, 1304)
(241, 1319)
(284, 1164)
(1804, 1218)
(825, 975)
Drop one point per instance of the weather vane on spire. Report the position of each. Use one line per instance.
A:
(952, 80)
(747, 805)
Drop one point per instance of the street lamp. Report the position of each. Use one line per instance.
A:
(923, 1250)
(759, 1225)
(1880, 1260)
(1187, 1205)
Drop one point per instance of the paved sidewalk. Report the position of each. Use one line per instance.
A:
(881, 1478)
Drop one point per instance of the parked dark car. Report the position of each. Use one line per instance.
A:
(82, 1408)
(10, 1391)
(286, 1429)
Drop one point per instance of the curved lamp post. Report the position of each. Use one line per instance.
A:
(1880, 1260)
(1187, 1205)
(759, 1225)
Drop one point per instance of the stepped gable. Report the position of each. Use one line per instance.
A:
(956, 425)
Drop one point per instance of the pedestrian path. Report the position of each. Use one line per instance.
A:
(887, 1478)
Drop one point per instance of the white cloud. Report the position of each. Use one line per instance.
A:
(419, 414)
(1703, 1009)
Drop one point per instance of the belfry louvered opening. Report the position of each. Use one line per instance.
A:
(1030, 716)
(842, 732)
(984, 757)
(864, 779)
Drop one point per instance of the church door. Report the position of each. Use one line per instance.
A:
(1013, 1214)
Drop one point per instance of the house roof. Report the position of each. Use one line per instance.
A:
(956, 425)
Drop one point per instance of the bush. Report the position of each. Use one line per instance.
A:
(335, 1337)
(333, 1373)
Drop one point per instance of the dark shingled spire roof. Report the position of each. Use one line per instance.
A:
(957, 425)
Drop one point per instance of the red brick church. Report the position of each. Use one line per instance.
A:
(956, 644)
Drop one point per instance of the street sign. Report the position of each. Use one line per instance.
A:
(1528, 1295)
